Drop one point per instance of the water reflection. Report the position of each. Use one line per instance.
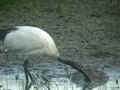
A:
(59, 77)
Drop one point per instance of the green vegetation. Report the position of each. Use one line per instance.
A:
(62, 11)
(11, 5)
(30, 5)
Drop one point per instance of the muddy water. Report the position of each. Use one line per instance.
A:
(61, 77)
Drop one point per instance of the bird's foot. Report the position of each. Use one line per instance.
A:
(40, 79)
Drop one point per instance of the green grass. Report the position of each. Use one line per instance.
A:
(11, 5)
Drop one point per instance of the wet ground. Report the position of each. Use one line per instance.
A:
(60, 77)
(86, 32)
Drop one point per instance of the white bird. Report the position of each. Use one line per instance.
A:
(29, 40)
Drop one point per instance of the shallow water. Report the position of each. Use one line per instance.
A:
(61, 77)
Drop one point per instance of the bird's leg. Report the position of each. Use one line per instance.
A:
(77, 67)
(27, 75)
(27, 81)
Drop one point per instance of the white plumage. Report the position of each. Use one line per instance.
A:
(29, 40)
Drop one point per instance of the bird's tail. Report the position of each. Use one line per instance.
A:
(4, 32)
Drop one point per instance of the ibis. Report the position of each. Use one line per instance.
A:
(30, 40)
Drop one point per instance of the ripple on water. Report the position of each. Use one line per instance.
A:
(60, 74)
